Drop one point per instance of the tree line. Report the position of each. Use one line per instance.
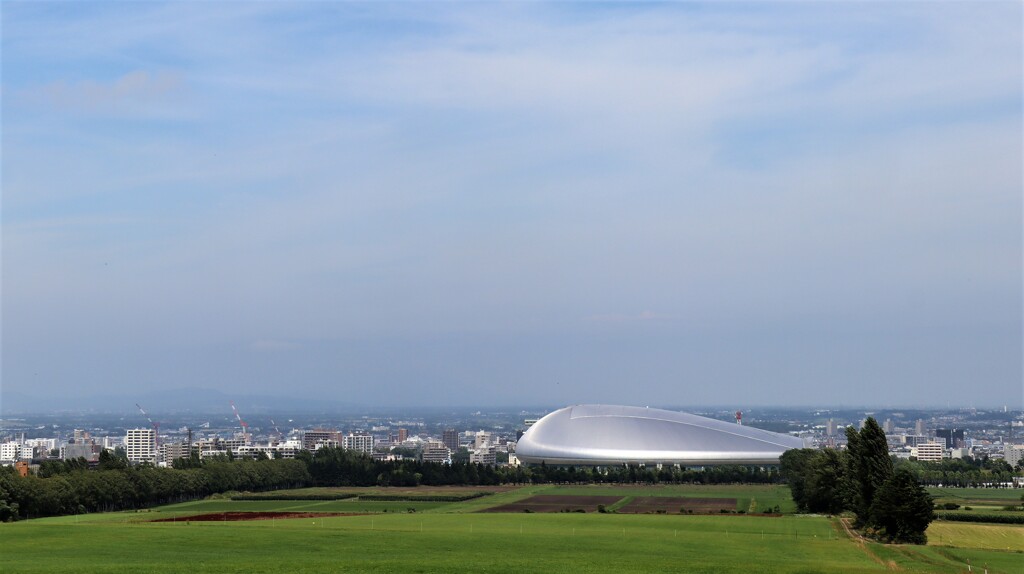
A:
(339, 467)
(72, 487)
(69, 487)
(888, 503)
(961, 472)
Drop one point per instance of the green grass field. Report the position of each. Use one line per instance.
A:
(454, 537)
(764, 496)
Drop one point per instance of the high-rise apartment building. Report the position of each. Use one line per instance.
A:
(173, 451)
(311, 438)
(437, 452)
(140, 445)
(1013, 453)
(10, 451)
(928, 452)
(483, 438)
(485, 455)
(359, 442)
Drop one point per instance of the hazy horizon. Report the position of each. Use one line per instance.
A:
(776, 204)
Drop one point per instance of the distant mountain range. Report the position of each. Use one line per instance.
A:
(194, 400)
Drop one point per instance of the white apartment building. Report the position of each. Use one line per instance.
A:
(360, 442)
(43, 444)
(483, 456)
(10, 451)
(140, 445)
(1013, 453)
(482, 439)
(437, 452)
(929, 451)
(272, 451)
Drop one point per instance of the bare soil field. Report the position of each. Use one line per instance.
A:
(672, 505)
(239, 516)
(397, 490)
(556, 503)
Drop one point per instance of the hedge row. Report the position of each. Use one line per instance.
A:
(997, 518)
(282, 496)
(422, 497)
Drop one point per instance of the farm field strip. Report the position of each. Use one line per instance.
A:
(674, 505)
(455, 536)
(976, 535)
(1001, 496)
(455, 542)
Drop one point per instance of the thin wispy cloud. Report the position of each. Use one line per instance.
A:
(443, 195)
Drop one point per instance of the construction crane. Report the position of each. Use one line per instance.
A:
(156, 426)
(244, 425)
(277, 430)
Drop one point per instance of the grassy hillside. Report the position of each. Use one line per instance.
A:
(455, 537)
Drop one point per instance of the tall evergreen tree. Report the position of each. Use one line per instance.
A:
(902, 509)
(870, 466)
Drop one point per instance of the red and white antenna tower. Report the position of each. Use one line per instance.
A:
(156, 427)
(245, 425)
(739, 417)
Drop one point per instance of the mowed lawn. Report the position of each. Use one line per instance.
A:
(436, 543)
(749, 497)
(348, 505)
(399, 536)
(479, 542)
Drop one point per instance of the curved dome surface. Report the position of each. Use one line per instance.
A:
(606, 435)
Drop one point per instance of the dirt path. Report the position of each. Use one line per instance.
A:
(862, 543)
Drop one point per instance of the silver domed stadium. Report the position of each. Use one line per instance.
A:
(615, 435)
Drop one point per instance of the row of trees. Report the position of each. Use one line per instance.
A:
(70, 488)
(339, 467)
(962, 472)
(888, 502)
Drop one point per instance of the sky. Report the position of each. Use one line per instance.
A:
(493, 204)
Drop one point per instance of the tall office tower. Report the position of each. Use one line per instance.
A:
(403, 434)
(954, 438)
(830, 429)
(450, 438)
(919, 427)
(888, 427)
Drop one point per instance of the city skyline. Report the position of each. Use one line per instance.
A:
(473, 204)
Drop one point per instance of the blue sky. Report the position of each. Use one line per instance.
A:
(484, 204)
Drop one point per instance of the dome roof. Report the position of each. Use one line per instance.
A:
(607, 434)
